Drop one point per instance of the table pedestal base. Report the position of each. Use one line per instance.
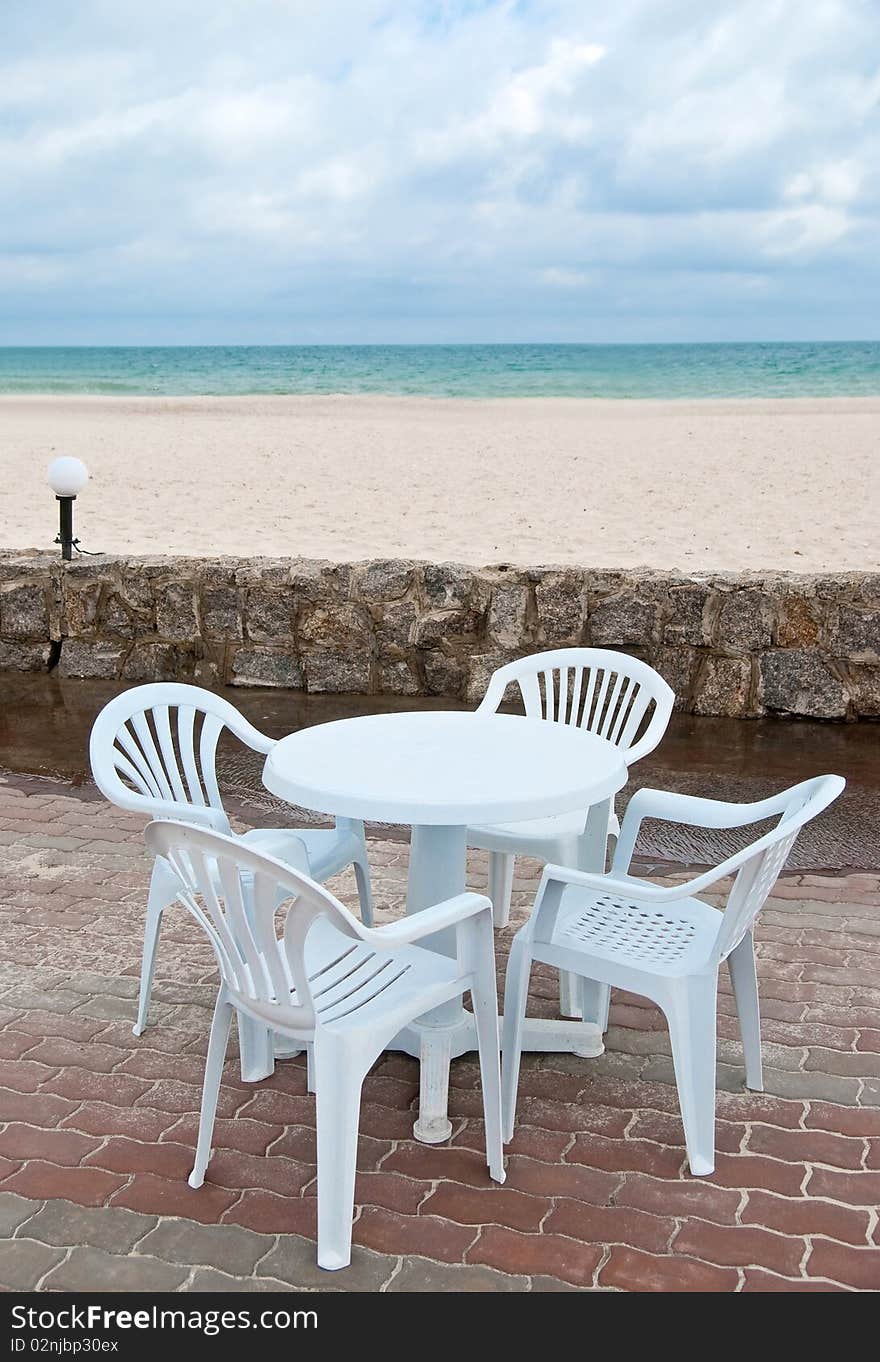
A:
(435, 1046)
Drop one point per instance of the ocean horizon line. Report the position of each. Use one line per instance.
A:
(628, 370)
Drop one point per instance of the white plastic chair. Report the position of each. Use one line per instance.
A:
(153, 751)
(618, 698)
(332, 985)
(664, 943)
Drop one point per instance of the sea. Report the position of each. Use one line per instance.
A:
(735, 370)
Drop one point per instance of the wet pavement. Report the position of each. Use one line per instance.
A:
(45, 722)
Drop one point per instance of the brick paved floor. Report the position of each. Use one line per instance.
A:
(98, 1125)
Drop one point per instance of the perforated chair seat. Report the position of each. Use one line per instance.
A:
(672, 938)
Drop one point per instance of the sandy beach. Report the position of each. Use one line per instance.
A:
(756, 484)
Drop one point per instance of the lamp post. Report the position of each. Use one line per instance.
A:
(67, 476)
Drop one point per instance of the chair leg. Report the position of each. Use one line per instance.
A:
(691, 1013)
(219, 1039)
(743, 976)
(569, 994)
(354, 828)
(157, 902)
(484, 997)
(310, 1067)
(365, 892)
(595, 1001)
(501, 866)
(516, 992)
(339, 1080)
(256, 1046)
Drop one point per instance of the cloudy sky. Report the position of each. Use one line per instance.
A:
(398, 170)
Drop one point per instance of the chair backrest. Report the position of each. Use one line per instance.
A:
(157, 745)
(758, 866)
(608, 693)
(234, 894)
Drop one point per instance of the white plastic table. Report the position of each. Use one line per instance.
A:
(441, 771)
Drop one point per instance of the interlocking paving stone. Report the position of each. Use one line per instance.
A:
(102, 1227)
(91, 1269)
(23, 1262)
(14, 1211)
(222, 1246)
(598, 1196)
(210, 1279)
(420, 1274)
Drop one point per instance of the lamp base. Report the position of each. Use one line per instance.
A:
(65, 533)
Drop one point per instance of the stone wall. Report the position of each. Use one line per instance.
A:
(729, 644)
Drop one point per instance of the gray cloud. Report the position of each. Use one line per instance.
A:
(286, 170)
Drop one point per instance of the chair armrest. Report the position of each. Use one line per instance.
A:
(250, 736)
(434, 919)
(686, 809)
(628, 885)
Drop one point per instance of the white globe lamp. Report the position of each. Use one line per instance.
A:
(67, 477)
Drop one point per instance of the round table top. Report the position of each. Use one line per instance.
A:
(444, 768)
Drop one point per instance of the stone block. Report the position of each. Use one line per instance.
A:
(154, 661)
(81, 607)
(92, 661)
(336, 626)
(15, 567)
(220, 614)
(394, 625)
(24, 657)
(744, 622)
(176, 617)
(678, 667)
(687, 620)
(320, 580)
(439, 627)
(444, 675)
(327, 670)
(798, 681)
(561, 605)
(24, 612)
(864, 688)
(336, 647)
(724, 687)
(398, 678)
(507, 613)
(269, 614)
(447, 586)
(114, 620)
(799, 620)
(266, 667)
(631, 616)
(858, 634)
(384, 579)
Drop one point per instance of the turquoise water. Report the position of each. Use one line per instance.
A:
(793, 369)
